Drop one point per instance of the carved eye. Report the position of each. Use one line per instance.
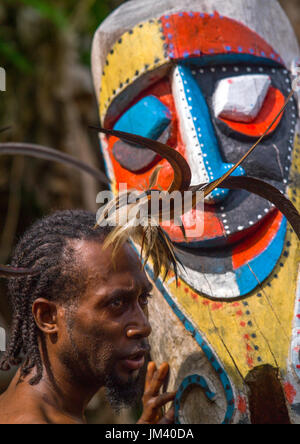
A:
(148, 118)
(247, 104)
(240, 98)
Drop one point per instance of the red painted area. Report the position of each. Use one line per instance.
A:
(249, 350)
(241, 404)
(195, 34)
(216, 305)
(239, 313)
(289, 391)
(213, 227)
(249, 360)
(243, 324)
(258, 242)
(273, 103)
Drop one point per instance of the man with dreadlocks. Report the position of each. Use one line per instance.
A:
(79, 324)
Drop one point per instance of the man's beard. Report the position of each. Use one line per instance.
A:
(122, 394)
(101, 371)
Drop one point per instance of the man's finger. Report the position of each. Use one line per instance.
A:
(151, 413)
(159, 379)
(169, 418)
(156, 403)
(151, 369)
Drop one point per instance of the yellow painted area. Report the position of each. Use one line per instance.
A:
(138, 51)
(256, 329)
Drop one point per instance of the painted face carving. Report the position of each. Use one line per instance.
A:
(207, 86)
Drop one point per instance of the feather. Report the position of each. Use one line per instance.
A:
(42, 152)
(6, 128)
(48, 154)
(265, 190)
(154, 177)
(182, 171)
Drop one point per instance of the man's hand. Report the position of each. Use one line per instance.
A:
(152, 400)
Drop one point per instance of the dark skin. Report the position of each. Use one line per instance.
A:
(109, 331)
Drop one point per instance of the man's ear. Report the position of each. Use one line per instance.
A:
(45, 314)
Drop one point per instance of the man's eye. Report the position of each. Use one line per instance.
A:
(116, 303)
(144, 299)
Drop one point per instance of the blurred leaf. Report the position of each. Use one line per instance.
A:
(11, 54)
(49, 11)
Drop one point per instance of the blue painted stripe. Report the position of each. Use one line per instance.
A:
(207, 60)
(188, 382)
(263, 264)
(204, 346)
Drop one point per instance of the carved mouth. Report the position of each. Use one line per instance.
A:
(235, 270)
(222, 226)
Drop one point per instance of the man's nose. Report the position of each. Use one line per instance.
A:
(140, 326)
(198, 134)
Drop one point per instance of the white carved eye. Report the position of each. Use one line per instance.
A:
(240, 98)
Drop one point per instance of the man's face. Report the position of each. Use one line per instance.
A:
(106, 340)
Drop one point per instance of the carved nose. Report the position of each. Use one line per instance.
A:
(198, 134)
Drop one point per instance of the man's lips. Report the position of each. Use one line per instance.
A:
(134, 361)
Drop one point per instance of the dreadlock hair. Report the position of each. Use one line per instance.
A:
(46, 248)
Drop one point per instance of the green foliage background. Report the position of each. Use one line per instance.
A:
(45, 49)
(81, 16)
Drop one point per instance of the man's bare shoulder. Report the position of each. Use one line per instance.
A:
(28, 412)
(23, 420)
(16, 415)
(13, 412)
